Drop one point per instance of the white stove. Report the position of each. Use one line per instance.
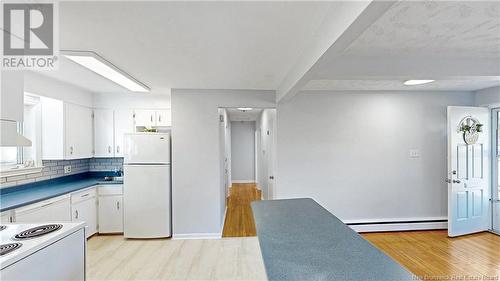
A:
(50, 251)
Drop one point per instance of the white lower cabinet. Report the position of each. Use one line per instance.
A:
(110, 208)
(6, 217)
(84, 209)
(100, 207)
(56, 209)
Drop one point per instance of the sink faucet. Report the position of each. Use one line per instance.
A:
(119, 172)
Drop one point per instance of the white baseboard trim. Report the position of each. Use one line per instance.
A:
(223, 222)
(196, 236)
(243, 181)
(407, 224)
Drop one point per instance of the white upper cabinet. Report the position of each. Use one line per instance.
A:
(12, 95)
(52, 128)
(79, 131)
(109, 128)
(145, 118)
(152, 118)
(67, 130)
(163, 118)
(124, 123)
(103, 133)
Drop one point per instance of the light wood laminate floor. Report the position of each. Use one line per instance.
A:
(239, 220)
(111, 257)
(432, 255)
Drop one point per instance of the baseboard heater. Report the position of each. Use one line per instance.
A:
(403, 225)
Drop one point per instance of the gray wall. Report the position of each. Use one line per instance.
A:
(350, 152)
(243, 151)
(488, 97)
(198, 202)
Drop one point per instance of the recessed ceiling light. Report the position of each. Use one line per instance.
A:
(417, 82)
(99, 65)
(245, 108)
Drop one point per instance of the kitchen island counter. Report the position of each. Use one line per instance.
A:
(300, 240)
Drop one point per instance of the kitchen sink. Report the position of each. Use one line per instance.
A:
(113, 179)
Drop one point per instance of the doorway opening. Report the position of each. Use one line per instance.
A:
(247, 149)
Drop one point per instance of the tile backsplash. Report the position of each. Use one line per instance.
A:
(55, 168)
(51, 169)
(105, 164)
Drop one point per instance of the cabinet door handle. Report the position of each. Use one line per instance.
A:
(118, 149)
(159, 118)
(118, 205)
(85, 195)
(76, 214)
(151, 118)
(71, 150)
(45, 205)
(109, 148)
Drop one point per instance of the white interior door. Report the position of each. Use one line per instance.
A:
(495, 196)
(469, 171)
(270, 154)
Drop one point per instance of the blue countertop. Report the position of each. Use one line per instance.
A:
(21, 195)
(300, 240)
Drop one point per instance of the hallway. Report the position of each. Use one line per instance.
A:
(239, 218)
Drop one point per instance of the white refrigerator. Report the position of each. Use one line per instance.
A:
(146, 185)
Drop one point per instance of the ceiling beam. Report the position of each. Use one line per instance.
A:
(342, 25)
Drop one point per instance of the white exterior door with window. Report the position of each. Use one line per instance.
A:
(468, 170)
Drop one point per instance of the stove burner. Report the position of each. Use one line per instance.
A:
(7, 248)
(37, 231)
(2, 227)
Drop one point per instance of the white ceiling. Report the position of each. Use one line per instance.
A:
(456, 43)
(206, 45)
(255, 45)
(238, 115)
(433, 28)
(397, 85)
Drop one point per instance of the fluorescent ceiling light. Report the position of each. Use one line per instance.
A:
(106, 69)
(245, 108)
(417, 82)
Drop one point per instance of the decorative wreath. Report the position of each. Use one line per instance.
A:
(470, 127)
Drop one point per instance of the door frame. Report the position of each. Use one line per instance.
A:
(494, 166)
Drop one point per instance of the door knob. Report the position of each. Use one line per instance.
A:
(456, 181)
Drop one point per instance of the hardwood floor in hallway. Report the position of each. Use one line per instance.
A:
(239, 220)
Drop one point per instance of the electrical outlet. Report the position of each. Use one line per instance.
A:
(414, 153)
(67, 169)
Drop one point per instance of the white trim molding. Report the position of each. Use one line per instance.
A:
(243, 181)
(20, 171)
(400, 224)
(196, 236)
